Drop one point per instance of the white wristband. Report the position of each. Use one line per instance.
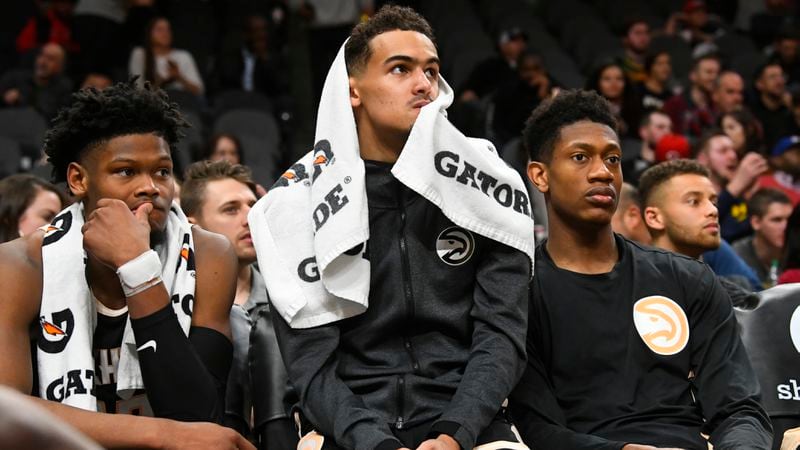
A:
(140, 273)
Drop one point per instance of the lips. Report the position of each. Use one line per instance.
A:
(601, 196)
(714, 226)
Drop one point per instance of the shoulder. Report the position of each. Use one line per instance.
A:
(21, 269)
(181, 55)
(665, 263)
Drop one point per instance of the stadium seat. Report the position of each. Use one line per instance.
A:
(25, 126)
(745, 64)
(771, 335)
(191, 145)
(238, 99)
(10, 156)
(260, 138)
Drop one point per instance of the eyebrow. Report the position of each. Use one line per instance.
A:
(134, 161)
(586, 146)
(408, 59)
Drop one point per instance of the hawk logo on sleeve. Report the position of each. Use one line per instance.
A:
(662, 324)
(54, 334)
(455, 246)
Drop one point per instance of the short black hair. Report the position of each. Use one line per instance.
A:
(651, 58)
(543, 127)
(763, 67)
(94, 117)
(760, 201)
(705, 140)
(659, 174)
(389, 18)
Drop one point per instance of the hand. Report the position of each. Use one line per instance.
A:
(194, 435)
(442, 442)
(11, 96)
(115, 235)
(260, 191)
(750, 168)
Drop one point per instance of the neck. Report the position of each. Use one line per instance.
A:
(663, 241)
(770, 102)
(647, 153)
(243, 284)
(765, 252)
(382, 147)
(104, 284)
(589, 250)
(654, 85)
(160, 50)
(699, 96)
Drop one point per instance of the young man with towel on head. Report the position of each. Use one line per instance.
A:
(120, 306)
(629, 347)
(397, 254)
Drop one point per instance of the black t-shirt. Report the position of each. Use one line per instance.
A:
(647, 353)
(105, 350)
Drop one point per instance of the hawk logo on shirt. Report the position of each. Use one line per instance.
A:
(662, 324)
(794, 328)
(455, 246)
(55, 333)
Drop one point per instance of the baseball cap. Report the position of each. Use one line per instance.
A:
(672, 146)
(785, 144)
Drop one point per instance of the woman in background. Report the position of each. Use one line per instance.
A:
(609, 81)
(744, 130)
(27, 203)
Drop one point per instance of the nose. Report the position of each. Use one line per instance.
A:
(422, 84)
(711, 209)
(599, 171)
(147, 187)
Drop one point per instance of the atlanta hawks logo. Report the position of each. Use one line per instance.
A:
(323, 157)
(455, 246)
(55, 333)
(57, 229)
(294, 174)
(662, 324)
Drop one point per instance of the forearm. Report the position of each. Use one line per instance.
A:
(325, 400)
(184, 376)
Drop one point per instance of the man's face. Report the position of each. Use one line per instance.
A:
(135, 168)
(772, 81)
(224, 211)
(686, 206)
(660, 125)
(49, 62)
(638, 37)
(400, 77)
(705, 74)
(772, 225)
(513, 48)
(787, 49)
(583, 179)
(662, 68)
(225, 150)
(720, 157)
(729, 94)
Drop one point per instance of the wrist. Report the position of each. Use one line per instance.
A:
(140, 273)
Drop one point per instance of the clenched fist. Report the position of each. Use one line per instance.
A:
(114, 234)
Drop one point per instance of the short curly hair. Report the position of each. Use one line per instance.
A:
(656, 176)
(543, 127)
(94, 117)
(389, 18)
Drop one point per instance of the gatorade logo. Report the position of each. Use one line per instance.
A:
(455, 246)
(662, 324)
(794, 328)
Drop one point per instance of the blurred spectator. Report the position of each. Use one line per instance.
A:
(330, 22)
(744, 130)
(98, 81)
(52, 24)
(692, 111)
(608, 80)
(514, 101)
(26, 203)
(224, 147)
(765, 24)
(728, 94)
(785, 52)
(654, 126)
(656, 89)
(628, 219)
(253, 67)
(785, 163)
(162, 65)
(791, 252)
(45, 88)
(694, 25)
(770, 103)
(733, 180)
(498, 70)
(635, 42)
(98, 30)
(769, 211)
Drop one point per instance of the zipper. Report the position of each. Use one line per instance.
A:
(401, 391)
(408, 292)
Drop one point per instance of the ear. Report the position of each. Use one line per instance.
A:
(77, 180)
(191, 220)
(355, 96)
(755, 222)
(537, 173)
(654, 219)
(632, 217)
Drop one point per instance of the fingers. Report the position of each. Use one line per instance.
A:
(142, 212)
(243, 444)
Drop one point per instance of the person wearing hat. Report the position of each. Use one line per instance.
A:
(785, 52)
(497, 70)
(694, 24)
(785, 164)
